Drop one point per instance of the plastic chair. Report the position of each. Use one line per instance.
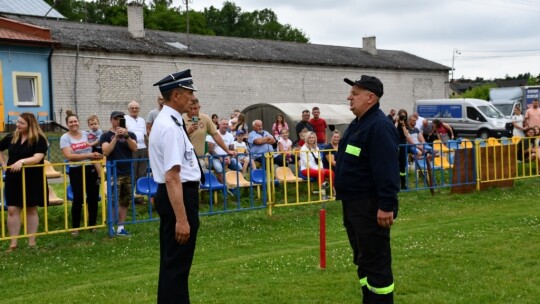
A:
(453, 144)
(12, 121)
(441, 161)
(466, 144)
(493, 142)
(516, 139)
(69, 193)
(258, 177)
(440, 146)
(212, 184)
(146, 186)
(54, 200)
(480, 142)
(505, 140)
(285, 175)
(43, 118)
(50, 172)
(234, 179)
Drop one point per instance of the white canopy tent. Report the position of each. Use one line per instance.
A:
(338, 116)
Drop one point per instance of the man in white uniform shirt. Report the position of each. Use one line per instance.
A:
(137, 125)
(176, 170)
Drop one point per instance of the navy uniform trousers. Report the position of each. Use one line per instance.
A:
(371, 250)
(176, 259)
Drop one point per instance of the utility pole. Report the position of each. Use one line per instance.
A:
(456, 51)
(187, 22)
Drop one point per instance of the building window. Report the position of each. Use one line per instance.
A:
(27, 89)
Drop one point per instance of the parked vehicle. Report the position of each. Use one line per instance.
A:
(505, 99)
(467, 116)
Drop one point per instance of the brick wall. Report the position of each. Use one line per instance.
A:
(107, 82)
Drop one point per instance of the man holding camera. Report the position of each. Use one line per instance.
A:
(198, 126)
(118, 144)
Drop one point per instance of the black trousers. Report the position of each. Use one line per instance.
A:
(371, 250)
(92, 194)
(176, 259)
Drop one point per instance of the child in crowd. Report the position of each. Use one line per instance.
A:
(242, 150)
(285, 145)
(93, 139)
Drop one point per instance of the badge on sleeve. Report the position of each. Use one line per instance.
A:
(353, 150)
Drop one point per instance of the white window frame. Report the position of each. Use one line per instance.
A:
(37, 96)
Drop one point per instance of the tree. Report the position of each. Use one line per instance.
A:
(229, 21)
(480, 92)
(232, 22)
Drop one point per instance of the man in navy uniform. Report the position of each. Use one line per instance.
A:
(367, 183)
(177, 172)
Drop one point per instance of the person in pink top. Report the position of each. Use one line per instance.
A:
(279, 126)
(285, 145)
(532, 116)
(319, 127)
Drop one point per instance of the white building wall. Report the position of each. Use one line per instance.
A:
(107, 82)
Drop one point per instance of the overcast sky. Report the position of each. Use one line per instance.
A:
(492, 37)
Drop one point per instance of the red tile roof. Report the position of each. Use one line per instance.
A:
(23, 32)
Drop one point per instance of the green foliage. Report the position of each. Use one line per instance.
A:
(448, 249)
(229, 21)
(480, 92)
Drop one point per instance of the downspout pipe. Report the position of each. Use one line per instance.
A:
(51, 103)
(75, 80)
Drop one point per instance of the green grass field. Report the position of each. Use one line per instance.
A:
(476, 248)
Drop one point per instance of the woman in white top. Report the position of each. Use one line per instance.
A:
(75, 148)
(517, 121)
(311, 162)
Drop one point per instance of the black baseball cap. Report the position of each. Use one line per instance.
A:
(370, 83)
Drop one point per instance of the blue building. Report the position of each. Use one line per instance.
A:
(25, 72)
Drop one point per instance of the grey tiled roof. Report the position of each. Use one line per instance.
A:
(117, 39)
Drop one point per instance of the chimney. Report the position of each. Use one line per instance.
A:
(135, 19)
(369, 45)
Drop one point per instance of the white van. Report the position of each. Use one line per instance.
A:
(467, 116)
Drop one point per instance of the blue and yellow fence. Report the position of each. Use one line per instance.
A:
(54, 216)
(287, 185)
(462, 166)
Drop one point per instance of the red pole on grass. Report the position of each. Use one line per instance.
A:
(322, 235)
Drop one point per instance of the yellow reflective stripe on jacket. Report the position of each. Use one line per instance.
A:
(402, 173)
(377, 290)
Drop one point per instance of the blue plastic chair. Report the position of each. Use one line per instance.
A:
(258, 176)
(212, 184)
(146, 186)
(69, 193)
(453, 144)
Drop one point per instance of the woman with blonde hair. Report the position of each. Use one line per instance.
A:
(310, 160)
(26, 146)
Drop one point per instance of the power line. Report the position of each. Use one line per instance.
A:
(503, 6)
(504, 51)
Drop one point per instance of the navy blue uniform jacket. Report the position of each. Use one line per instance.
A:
(367, 160)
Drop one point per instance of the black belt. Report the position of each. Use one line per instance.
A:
(184, 184)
